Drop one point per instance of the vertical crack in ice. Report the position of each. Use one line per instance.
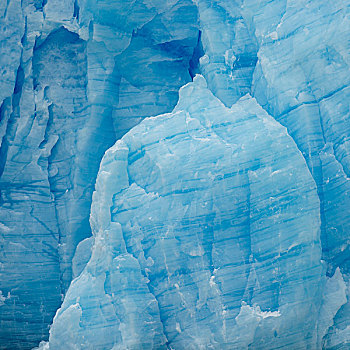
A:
(5, 113)
(13, 119)
(76, 10)
(194, 66)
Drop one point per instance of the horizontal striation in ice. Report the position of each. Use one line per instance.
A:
(203, 237)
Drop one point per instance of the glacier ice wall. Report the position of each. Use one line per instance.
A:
(301, 78)
(77, 75)
(195, 239)
(69, 90)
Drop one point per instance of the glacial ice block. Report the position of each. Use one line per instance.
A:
(206, 234)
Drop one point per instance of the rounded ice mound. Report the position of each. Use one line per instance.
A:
(206, 236)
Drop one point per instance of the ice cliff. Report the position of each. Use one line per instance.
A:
(141, 210)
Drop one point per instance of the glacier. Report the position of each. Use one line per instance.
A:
(176, 253)
(174, 174)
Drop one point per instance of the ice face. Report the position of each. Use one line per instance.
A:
(77, 75)
(301, 79)
(305, 93)
(195, 239)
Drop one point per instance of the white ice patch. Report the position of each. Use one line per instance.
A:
(44, 345)
(3, 298)
(204, 60)
(255, 311)
(178, 327)
(230, 58)
(273, 35)
(4, 228)
(212, 282)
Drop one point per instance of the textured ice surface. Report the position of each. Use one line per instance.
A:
(77, 75)
(203, 237)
